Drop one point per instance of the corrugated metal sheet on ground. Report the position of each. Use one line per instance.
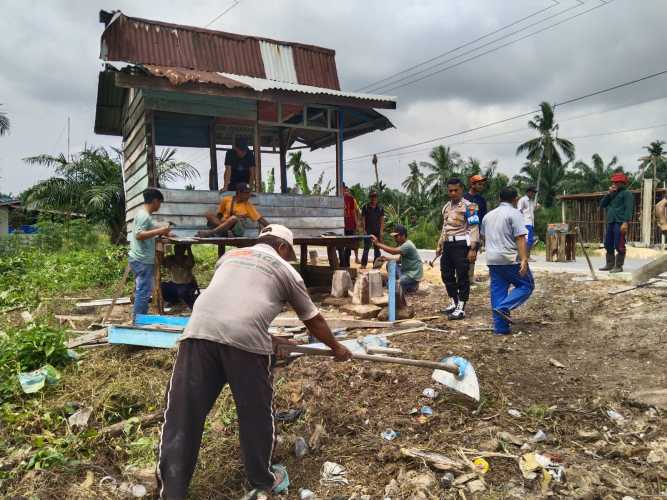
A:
(143, 41)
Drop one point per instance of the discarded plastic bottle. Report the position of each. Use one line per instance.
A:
(300, 447)
(305, 494)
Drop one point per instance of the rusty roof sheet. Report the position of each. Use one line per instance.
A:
(148, 42)
(179, 76)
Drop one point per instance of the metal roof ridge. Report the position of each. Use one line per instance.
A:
(118, 14)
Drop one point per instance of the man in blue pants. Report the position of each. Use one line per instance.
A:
(505, 233)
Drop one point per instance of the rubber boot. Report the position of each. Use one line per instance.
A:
(620, 260)
(610, 262)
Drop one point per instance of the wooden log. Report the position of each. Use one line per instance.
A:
(144, 420)
(650, 270)
(87, 338)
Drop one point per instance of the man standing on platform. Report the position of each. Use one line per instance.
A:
(618, 204)
(477, 184)
(373, 217)
(240, 165)
(504, 233)
(527, 206)
(458, 244)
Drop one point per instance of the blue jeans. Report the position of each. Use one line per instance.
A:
(530, 238)
(614, 239)
(143, 286)
(503, 299)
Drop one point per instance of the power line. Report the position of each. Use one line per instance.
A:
(505, 120)
(236, 2)
(386, 88)
(390, 77)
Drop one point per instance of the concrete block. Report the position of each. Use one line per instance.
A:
(362, 311)
(360, 293)
(341, 283)
(375, 283)
(381, 301)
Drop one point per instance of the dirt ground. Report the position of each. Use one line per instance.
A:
(608, 346)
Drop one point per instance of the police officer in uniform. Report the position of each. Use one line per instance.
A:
(458, 245)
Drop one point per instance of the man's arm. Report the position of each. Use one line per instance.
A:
(523, 254)
(606, 199)
(153, 233)
(386, 248)
(319, 329)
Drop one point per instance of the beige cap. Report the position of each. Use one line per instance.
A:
(282, 232)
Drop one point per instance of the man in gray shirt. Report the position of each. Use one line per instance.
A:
(505, 233)
(227, 341)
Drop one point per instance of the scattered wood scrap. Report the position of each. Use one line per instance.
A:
(102, 302)
(96, 337)
(437, 460)
(145, 420)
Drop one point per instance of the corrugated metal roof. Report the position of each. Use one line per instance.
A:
(143, 41)
(278, 62)
(262, 84)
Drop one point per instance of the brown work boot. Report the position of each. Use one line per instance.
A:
(618, 266)
(610, 262)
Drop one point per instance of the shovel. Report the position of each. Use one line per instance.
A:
(453, 372)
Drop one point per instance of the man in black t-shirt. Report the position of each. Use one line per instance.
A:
(240, 165)
(372, 216)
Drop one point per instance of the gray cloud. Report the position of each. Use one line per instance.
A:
(49, 61)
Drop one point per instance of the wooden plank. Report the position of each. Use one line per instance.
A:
(309, 222)
(150, 144)
(131, 181)
(266, 210)
(185, 196)
(102, 302)
(138, 128)
(140, 164)
(213, 183)
(648, 202)
(131, 120)
(161, 319)
(137, 188)
(138, 142)
(202, 105)
(87, 338)
(147, 338)
(258, 199)
(134, 157)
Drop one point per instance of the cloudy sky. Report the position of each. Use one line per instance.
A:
(49, 60)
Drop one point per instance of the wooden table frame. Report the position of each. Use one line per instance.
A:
(332, 243)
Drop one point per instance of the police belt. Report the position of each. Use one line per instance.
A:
(454, 239)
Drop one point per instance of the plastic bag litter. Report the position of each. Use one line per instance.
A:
(333, 473)
(389, 434)
(430, 393)
(34, 381)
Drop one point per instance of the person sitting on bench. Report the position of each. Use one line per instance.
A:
(231, 213)
(183, 285)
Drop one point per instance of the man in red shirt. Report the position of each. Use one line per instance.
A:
(350, 219)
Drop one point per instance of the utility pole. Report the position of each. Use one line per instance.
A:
(68, 130)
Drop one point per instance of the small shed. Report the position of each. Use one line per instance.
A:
(583, 211)
(172, 85)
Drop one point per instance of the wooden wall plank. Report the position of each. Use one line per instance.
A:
(258, 199)
(267, 211)
(290, 222)
(191, 104)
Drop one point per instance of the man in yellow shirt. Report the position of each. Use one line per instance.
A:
(231, 212)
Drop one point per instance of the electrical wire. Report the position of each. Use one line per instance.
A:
(435, 58)
(236, 2)
(504, 120)
(477, 56)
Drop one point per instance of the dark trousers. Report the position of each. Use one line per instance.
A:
(454, 268)
(614, 239)
(173, 293)
(201, 370)
(345, 253)
(367, 246)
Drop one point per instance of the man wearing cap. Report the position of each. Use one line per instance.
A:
(618, 204)
(477, 184)
(373, 218)
(227, 341)
(230, 214)
(410, 267)
(240, 165)
(458, 245)
(527, 206)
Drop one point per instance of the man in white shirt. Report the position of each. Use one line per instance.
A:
(527, 206)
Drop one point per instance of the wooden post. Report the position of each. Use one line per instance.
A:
(258, 154)
(304, 259)
(283, 162)
(646, 218)
(562, 209)
(213, 183)
(150, 150)
(339, 153)
(158, 302)
(391, 285)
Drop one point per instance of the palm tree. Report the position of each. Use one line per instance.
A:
(551, 180)
(446, 163)
(91, 183)
(585, 178)
(414, 182)
(4, 123)
(546, 149)
(656, 160)
(299, 168)
(171, 170)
